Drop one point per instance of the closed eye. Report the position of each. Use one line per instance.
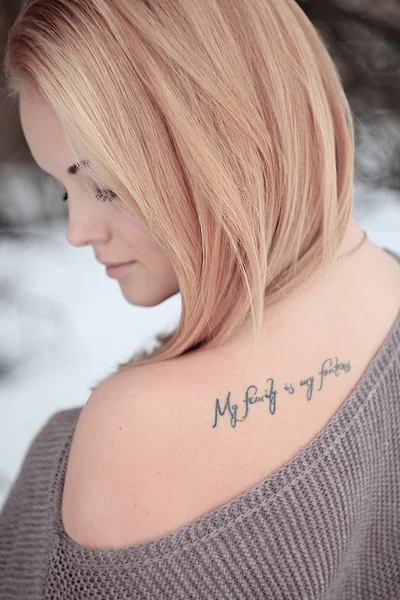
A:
(103, 195)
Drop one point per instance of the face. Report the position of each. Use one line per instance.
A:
(93, 222)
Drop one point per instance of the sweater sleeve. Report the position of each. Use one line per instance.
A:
(24, 518)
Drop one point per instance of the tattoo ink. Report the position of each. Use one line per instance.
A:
(250, 398)
(325, 371)
(270, 393)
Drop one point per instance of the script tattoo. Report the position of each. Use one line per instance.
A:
(329, 367)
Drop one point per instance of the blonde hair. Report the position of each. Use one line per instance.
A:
(223, 125)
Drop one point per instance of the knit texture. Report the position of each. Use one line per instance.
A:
(326, 525)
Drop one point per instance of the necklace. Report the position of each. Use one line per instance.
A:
(353, 251)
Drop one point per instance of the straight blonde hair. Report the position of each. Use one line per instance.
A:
(223, 125)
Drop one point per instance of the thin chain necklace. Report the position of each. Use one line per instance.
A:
(354, 250)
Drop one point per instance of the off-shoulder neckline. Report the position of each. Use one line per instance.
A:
(225, 516)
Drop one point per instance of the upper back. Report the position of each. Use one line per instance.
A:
(182, 438)
(323, 525)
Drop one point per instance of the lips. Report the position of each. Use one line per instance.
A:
(106, 264)
(119, 270)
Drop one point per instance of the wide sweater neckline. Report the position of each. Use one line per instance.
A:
(219, 521)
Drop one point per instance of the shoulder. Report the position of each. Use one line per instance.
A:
(122, 422)
(52, 435)
(40, 464)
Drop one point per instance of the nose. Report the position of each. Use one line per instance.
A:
(85, 227)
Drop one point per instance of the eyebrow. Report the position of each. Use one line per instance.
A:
(78, 166)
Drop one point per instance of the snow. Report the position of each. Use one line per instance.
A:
(66, 326)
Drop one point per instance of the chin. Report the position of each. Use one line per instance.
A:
(147, 299)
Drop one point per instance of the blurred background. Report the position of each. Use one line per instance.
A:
(64, 324)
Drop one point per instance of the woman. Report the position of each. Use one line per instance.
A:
(254, 453)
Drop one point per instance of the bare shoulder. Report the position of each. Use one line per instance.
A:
(108, 483)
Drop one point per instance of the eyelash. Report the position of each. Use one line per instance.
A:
(103, 195)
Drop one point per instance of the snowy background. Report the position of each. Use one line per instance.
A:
(64, 325)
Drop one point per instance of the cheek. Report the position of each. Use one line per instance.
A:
(146, 250)
(138, 237)
(155, 260)
(159, 264)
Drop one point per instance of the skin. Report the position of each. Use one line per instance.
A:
(223, 417)
(92, 222)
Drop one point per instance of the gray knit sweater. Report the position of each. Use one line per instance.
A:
(326, 525)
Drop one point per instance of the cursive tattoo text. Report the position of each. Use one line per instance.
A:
(330, 368)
